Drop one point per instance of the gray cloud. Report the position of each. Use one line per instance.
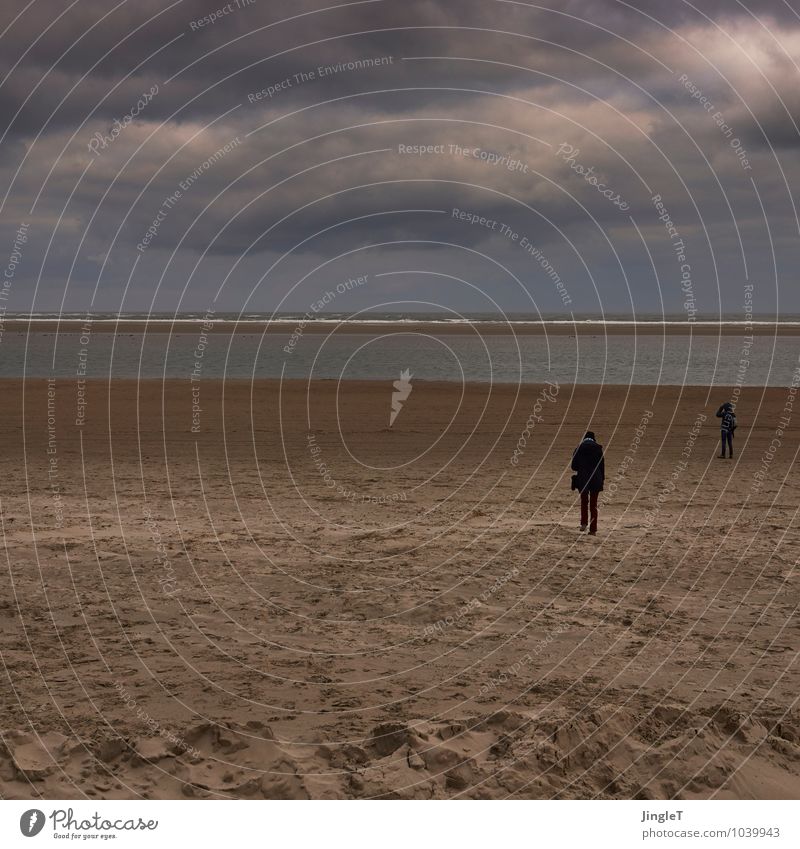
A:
(652, 97)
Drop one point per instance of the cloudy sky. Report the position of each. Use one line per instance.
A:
(466, 156)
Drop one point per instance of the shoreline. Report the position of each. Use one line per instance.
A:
(489, 328)
(242, 386)
(497, 387)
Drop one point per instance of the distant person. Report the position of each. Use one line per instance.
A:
(727, 427)
(590, 473)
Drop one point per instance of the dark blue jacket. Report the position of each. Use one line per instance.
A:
(589, 467)
(728, 423)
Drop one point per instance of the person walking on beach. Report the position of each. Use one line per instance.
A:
(590, 472)
(727, 427)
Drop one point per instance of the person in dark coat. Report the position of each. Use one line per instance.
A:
(590, 472)
(727, 427)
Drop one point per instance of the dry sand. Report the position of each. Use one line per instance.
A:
(202, 615)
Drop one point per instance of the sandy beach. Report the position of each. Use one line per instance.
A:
(278, 595)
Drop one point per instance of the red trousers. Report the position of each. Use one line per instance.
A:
(589, 505)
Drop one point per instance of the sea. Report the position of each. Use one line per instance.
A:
(210, 350)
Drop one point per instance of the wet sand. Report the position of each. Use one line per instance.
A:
(282, 596)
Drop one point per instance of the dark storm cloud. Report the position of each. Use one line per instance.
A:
(250, 47)
(627, 85)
